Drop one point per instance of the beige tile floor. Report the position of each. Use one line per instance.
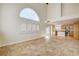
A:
(56, 46)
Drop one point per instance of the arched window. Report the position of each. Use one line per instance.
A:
(29, 27)
(30, 14)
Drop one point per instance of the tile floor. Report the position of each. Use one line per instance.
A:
(56, 46)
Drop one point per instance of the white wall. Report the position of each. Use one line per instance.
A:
(10, 24)
(54, 11)
(0, 18)
(70, 10)
(64, 11)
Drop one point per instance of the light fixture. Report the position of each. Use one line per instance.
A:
(46, 3)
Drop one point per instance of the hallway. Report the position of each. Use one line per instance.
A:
(56, 46)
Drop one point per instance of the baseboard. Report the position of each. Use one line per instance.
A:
(12, 43)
